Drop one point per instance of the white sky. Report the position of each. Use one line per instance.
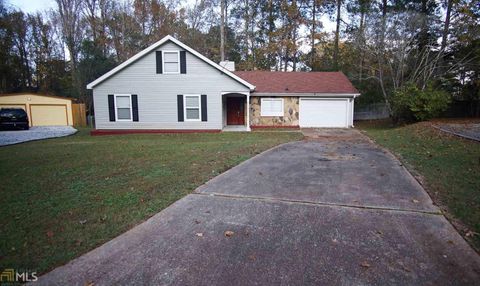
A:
(31, 6)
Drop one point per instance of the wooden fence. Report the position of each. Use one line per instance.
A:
(79, 115)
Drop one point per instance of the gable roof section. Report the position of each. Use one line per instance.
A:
(158, 44)
(299, 82)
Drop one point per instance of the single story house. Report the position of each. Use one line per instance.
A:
(42, 110)
(171, 87)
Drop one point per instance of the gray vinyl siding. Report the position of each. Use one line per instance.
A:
(157, 93)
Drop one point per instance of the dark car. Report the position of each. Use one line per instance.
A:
(13, 118)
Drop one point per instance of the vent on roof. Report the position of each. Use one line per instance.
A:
(228, 65)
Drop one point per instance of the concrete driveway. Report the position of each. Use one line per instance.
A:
(333, 209)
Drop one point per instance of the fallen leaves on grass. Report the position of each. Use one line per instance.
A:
(471, 233)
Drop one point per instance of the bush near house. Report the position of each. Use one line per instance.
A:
(413, 104)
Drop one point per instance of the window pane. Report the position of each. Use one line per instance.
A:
(123, 101)
(170, 57)
(191, 101)
(276, 106)
(272, 107)
(123, 113)
(171, 67)
(193, 113)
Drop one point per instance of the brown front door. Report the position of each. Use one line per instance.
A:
(235, 111)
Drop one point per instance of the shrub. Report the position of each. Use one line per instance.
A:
(411, 103)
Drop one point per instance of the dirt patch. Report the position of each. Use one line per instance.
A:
(333, 134)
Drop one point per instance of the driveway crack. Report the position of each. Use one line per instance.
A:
(304, 202)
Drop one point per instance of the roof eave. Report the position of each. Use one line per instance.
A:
(344, 94)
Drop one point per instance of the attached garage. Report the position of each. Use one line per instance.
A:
(326, 112)
(303, 99)
(42, 110)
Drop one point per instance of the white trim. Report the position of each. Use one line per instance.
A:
(185, 107)
(131, 107)
(267, 114)
(246, 93)
(248, 113)
(331, 95)
(156, 45)
(163, 61)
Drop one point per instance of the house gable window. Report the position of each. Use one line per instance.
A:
(171, 62)
(271, 107)
(192, 107)
(123, 107)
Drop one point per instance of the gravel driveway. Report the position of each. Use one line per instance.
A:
(35, 133)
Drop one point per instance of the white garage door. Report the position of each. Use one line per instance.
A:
(315, 112)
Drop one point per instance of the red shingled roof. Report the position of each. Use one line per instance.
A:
(298, 82)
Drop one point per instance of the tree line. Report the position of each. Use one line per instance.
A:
(386, 47)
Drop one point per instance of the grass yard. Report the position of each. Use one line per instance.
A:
(450, 167)
(60, 198)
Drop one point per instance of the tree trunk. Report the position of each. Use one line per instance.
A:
(382, 55)
(446, 27)
(222, 30)
(423, 41)
(337, 36)
(361, 42)
(271, 28)
(314, 11)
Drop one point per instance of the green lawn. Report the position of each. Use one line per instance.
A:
(449, 165)
(60, 198)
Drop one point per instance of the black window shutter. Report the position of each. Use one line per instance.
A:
(111, 107)
(159, 61)
(183, 62)
(180, 107)
(135, 107)
(204, 107)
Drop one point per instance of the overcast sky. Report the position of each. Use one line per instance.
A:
(30, 6)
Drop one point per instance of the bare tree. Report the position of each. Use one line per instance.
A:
(222, 29)
(69, 18)
(337, 35)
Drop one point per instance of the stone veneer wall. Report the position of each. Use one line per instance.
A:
(290, 108)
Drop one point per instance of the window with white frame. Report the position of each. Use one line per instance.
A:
(192, 107)
(271, 107)
(171, 62)
(123, 107)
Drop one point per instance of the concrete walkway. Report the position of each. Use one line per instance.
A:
(331, 210)
(466, 130)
